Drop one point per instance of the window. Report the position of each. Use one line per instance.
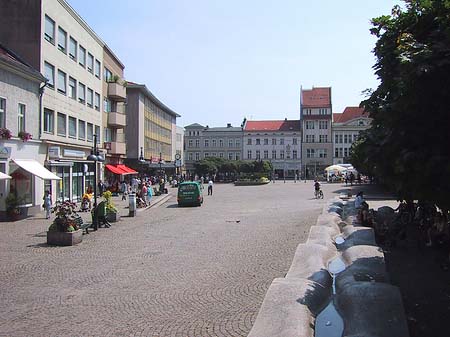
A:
(238, 156)
(220, 142)
(2, 112)
(90, 132)
(61, 124)
(230, 155)
(214, 154)
(97, 132)
(49, 72)
(73, 47)
(197, 156)
(190, 143)
(282, 154)
(90, 63)
(72, 127)
(323, 138)
(322, 153)
(62, 40)
(307, 111)
(21, 117)
(90, 98)
(323, 112)
(323, 125)
(336, 152)
(106, 105)
(310, 138)
(82, 57)
(61, 82)
(220, 154)
(206, 142)
(274, 154)
(345, 152)
(197, 143)
(294, 141)
(258, 154)
(274, 141)
(97, 68)
(230, 142)
(282, 141)
(340, 139)
(107, 75)
(190, 156)
(97, 101)
(266, 154)
(310, 153)
(72, 88)
(214, 143)
(49, 33)
(336, 138)
(206, 155)
(249, 141)
(81, 130)
(81, 92)
(266, 141)
(49, 116)
(258, 141)
(107, 135)
(345, 139)
(238, 143)
(249, 154)
(294, 154)
(309, 125)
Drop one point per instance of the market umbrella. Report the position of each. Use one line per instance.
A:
(4, 176)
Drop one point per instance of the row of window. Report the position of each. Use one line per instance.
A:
(265, 141)
(341, 152)
(345, 138)
(67, 85)
(312, 139)
(75, 51)
(282, 154)
(21, 110)
(316, 153)
(214, 143)
(310, 125)
(322, 111)
(196, 155)
(69, 126)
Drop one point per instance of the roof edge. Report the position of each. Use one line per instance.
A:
(144, 89)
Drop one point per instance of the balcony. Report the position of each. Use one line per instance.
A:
(116, 120)
(117, 91)
(116, 148)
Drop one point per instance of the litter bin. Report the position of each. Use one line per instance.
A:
(132, 204)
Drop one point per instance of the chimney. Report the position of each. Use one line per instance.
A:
(285, 119)
(229, 125)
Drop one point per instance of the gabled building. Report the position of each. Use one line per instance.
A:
(278, 141)
(316, 120)
(346, 128)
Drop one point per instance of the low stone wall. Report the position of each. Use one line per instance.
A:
(367, 303)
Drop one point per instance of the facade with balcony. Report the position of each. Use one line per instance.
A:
(277, 141)
(316, 123)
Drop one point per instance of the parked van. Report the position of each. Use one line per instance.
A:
(190, 193)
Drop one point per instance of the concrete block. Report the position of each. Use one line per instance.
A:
(372, 309)
(355, 235)
(321, 235)
(310, 262)
(289, 308)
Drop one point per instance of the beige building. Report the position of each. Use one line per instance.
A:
(55, 40)
(316, 120)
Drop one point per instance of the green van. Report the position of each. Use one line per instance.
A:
(190, 193)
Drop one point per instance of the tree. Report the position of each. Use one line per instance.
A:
(407, 146)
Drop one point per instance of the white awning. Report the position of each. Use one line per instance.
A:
(4, 176)
(36, 169)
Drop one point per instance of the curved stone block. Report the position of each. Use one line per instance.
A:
(310, 262)
(372, 309)
(321, 235)
(289, 308)
(356, 235)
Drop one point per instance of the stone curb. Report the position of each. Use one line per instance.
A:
(367, 303)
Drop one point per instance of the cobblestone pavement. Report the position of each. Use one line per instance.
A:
(169, 271)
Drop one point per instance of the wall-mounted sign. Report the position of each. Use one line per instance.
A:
(5, 152)
(74, 153)
(54, 152)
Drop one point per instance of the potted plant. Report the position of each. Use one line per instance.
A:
(5, 133)
(12, 203)
(64, 231)
(111, 211)
(25, 136)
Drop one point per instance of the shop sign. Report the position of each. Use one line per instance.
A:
(5, 152)
(54, 152)
(74, 153)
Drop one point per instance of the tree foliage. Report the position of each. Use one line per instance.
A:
(214, 165)
(408, 144)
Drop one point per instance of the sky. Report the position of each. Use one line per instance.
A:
(217, 61)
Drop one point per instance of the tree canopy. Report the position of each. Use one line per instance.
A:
(408, 144)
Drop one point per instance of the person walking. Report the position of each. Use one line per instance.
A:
(47, 203)
(210, 187)
(124, 190)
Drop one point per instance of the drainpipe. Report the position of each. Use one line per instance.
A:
(41, 93)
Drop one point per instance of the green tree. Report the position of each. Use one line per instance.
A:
(407, 146)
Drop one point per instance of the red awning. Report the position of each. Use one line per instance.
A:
(126, 169)
(115, 169)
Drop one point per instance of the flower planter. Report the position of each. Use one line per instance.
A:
(112, 216)
(64, 238)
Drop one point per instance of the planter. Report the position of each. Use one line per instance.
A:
(250, 183)
(64, 238)
(112, 216)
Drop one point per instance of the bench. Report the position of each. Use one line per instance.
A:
(82, 225)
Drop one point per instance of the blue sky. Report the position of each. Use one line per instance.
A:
(216, 62)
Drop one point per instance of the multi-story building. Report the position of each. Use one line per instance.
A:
(203, 142)
(278, 141)
(149, 129)
(20, 157)
(316, 120)
(56, 41)
(346, 128)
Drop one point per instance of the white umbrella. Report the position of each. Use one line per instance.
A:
(335, 168)
(4, 176)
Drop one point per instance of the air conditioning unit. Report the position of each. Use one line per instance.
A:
(54, 152)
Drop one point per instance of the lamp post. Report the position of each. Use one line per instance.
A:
(95, 157)
(160, 163)
(141, 156)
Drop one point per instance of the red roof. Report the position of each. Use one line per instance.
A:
(316, 97)
(283, 125)
(120, 169)
(350, 112)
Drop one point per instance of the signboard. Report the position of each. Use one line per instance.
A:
(54, 152)
(74, 153)
(178, 163)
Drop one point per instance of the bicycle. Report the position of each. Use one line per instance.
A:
(318, 194)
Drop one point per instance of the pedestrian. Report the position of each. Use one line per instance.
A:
(352, 178)
(210, 187)
(149, 193)
(144, 195)
(124, 190)
(47, 203)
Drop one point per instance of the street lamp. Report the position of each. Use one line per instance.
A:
(160, 164)
(95, 156)
(141, 156)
